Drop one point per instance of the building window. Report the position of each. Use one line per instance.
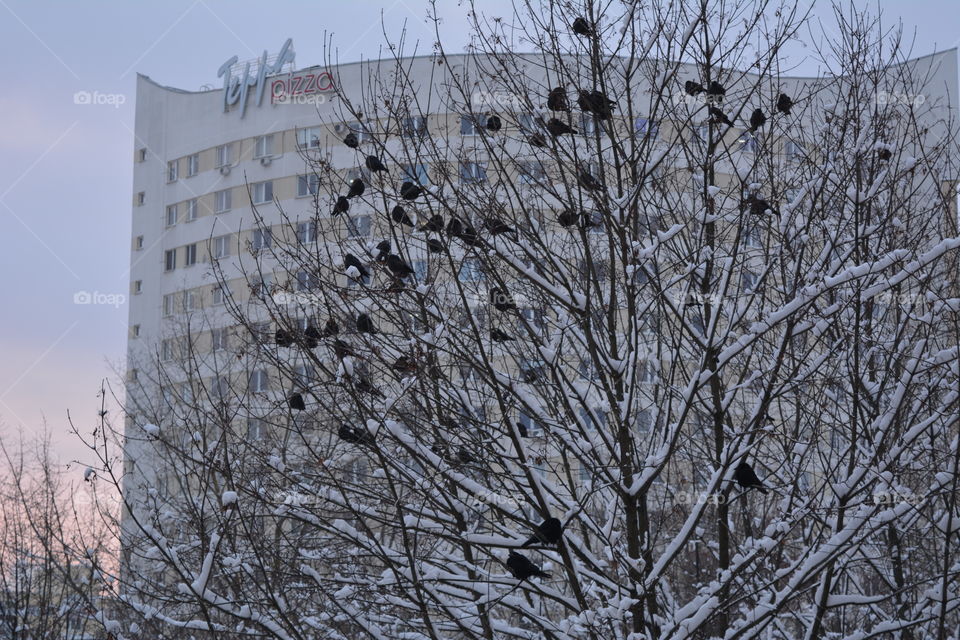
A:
(141, 198)
(218, 340)
(420, 270)
(171, 215)
(748, 281)
(471, 270)
(172, 170)
(170, 260)
(263, 146)
(193, 165)
(224, 154)
(223, 201)
(259, 381)
(138, 243)
(473, 172)
(220, 293)
(263, 287)
(261, 239)
(221, 246)
(646, 128)
(534, 427)
(142, 154)
(135, 331)
(358, 227)
(304, 375)
(137, 286)
(307, 232)
(190, 254)
(531, 172)
(168, 304)
(166, 350)
(793, 150)
(644, 420)
(588, 124)
(307, 281)
(308, 138)
(747, 142)
(263, 192)
(646, 372)
(414, 126)
(527, 122)
(751, 237)
(190, 300)
(256, 429)
(191, 210)
(701, 133)
(593, 419)
(308, 185)
(416, 173)
(468, 125)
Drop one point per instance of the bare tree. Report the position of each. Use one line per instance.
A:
(638, 281)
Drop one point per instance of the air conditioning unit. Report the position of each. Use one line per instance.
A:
(225, 170)
(266, 160)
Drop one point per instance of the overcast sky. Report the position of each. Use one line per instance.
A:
(65, 169)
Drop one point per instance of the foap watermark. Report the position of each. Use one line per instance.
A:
(906, 99)
(95, 297)
(96, 98)
(489, 497)
(304, 298)
(300, 98)
(684, 497)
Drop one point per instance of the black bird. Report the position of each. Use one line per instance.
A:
(465, 457)
(383, 249)
(497, 226)
(596, 102)
(296, 402)
(501, 301)
(523, 430)
(557, 99)
(693, 88)
(351, 260)
(548, 532)
(342, 349)
(312, 337)
(536, 140)
(342, 206)
(283, 338)
(356, 188)
(330, 329)
(499, 336)
(558, 127)
(747, 478)
(759, 206)
(434, 224)
(469, 236)
(494, 124)
(784, 104)
(365, 324)
(373, 163)
(410, 191)
(716, 89)
(399, 215)
(354, 435)
(364, 385)
(398, 267)
(757, 119)
(351, 140)
(522, 568)
(581, 27)
(884, 154)
(588, 182)
(719, 116)
(455, 227)
(435, 246)
(568, 218)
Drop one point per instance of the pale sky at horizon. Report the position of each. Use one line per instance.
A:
(66, 169)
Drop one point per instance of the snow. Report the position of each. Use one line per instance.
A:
(229, 498)
(151, 429)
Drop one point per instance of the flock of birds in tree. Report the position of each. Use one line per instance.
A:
(595, 102)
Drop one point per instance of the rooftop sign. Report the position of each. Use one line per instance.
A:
(236, 89)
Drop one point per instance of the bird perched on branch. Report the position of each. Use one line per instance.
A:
(558, 127)
(547, 532)
(434, 224)
(398, 267)
(365, 324)
(557, 99)
(383, 249)
(342, 349)
(597, 103)
(356, 188)
(588, 182)
(351, 140)
(283, 338)
(567, 218)
(342, 206)
(311, 337)
(354, 435)
(693, 88)
(410, 191)
(536, 140)
(581, 27)
(330, 329)
(404, 364)
(496, 226)
(399, 215)
(716, 90)
(719, 116)
(351, 260)
(373, 163)
(296, 402)
(522, 568)
(784, 104)
(435, 246)
(499, 336)
(757, 119)
(747, 478)
(494, 124)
